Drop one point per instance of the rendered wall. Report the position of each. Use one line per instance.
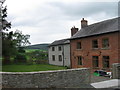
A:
(65, 53)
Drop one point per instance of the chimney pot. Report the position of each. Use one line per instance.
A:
(84, 23)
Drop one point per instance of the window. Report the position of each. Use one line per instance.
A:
(78, 45)
(60, 57)
(53, 48)
(106, 61)
(79, 60)
(53, 57)
(59, 48)
(105, 43)
(95, 61)
(94, 44)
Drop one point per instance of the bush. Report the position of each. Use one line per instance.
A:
(30, 62)
(20, 58)
(68, 67)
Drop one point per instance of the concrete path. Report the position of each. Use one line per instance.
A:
(107, 84)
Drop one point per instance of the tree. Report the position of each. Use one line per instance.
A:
(20, 39)
(12, 44)
(11, 41)
(6, 37)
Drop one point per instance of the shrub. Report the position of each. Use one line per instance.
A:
(20, 58)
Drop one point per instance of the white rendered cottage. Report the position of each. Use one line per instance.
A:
(59, 53)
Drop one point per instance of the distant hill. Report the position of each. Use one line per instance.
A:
(38, 46)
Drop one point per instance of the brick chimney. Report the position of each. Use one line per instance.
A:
(73, 30)
(84, 23)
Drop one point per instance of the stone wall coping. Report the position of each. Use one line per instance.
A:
(75, 69)
(116, 63)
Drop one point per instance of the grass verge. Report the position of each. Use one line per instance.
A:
(30, 68)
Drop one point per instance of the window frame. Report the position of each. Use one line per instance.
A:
(95, 61)
(105, 44)
(59, 48)
(60, 57)
(94, 45)
(53, 48)
(53, 57)
(79, 46)
(79, 60)
(106, 61)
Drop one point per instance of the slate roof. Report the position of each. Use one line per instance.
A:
(103, 27)
(60, 42)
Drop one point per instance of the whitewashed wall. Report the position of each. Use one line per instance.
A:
(65, 52)
(56, 53)
(67, 55)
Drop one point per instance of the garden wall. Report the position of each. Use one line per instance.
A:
(46, 79)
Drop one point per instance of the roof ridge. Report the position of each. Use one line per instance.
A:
(105, 20)
(106, 26)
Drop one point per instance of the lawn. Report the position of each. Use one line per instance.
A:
(30, 68)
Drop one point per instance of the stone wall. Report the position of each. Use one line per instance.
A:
(47, 79)
(116, 71)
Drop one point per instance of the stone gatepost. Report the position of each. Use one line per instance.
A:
(116, 71)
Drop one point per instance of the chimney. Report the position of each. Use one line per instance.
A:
(73, 30)
(84, 23)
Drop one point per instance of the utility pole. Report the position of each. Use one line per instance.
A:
(1, 24)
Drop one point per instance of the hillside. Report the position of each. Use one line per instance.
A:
(38, 46)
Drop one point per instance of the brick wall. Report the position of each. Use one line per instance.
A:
(46, 79)
(87, 52)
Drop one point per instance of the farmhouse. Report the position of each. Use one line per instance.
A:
(59, 52)
(96, 46)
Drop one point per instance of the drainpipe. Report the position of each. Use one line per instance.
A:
(63, 55)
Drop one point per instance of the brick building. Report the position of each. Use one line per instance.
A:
(96, 46)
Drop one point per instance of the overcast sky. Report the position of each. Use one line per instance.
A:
(49, 20)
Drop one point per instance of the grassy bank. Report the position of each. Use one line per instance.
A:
(30, 68)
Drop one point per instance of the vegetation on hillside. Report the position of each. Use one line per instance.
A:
(43, 47)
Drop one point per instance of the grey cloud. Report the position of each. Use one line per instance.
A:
(64, 11)
(51, 19)
(75, 10)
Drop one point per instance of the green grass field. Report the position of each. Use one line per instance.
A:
(30, 68)
(32, 50)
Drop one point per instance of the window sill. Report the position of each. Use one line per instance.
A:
(105, 68)
(95, 48)
(80, 65)
(95, 68)
(105, 48)
(79, 49)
